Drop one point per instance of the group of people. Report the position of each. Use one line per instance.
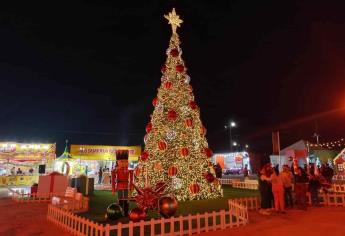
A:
(104, 176)
(276, 188)
(19, 171)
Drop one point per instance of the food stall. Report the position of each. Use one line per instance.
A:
(88, 159)
(232, 162)
(22, 163)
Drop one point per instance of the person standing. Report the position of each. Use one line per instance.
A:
(301, 183)
(287, 178)
(314, 186)
(265, 190)
(278, 191)
(100, 175)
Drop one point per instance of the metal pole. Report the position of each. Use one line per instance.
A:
(230, 137)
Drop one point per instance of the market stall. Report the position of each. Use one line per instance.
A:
(233, 162)
(90, 159)
(22, 163)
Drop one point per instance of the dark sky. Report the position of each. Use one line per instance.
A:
(87, 71)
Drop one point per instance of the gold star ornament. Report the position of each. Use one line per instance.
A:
(174, 20)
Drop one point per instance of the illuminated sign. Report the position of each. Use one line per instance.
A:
(98, 152)
(27, 151)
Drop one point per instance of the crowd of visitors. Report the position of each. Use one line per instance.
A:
(277, 188)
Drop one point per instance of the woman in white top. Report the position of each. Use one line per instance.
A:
(278, 190)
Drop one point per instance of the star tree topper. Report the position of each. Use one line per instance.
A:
(174, 20)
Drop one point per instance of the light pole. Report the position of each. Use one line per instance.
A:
(231, 124)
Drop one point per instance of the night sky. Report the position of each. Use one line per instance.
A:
(87, 72)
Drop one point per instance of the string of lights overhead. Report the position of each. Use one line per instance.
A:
(332, 144)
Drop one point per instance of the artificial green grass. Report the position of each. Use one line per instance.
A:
(101, 199)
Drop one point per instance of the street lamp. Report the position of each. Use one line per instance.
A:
(232, 124)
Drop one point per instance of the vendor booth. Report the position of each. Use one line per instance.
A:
(233, 162)
(94, 161)
(302, 153)
(339, 163)
(22, 163)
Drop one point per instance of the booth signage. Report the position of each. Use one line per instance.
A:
(27, 151)
(98, 152)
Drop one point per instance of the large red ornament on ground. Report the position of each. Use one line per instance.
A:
(167, 206)
(162, 145)
(137, 214)
(194, 188)
(172, 115)
(184, 151)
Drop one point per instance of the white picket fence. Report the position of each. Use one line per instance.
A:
(32, 197)
(236, 183)
(245, 185)
(236, 216)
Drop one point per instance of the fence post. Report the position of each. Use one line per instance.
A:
(119, 229)
(130, 228)
(206, 221)
(107, 230)
(198, 223)
(181, 225)
(222, 219)
(142, 227)
(214, 220)
(162, 226)
(152, 225)
(190, 226)
(172, 226)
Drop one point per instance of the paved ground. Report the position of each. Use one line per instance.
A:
(313, 222)
(25, 220)
(29, 220)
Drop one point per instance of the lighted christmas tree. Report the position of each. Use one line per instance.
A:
(176, 149)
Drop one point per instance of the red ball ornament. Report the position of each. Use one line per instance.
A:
(162, 145)
(137, 214)
(172, 171)
(180, 68)
(155, 101)
(194, 188)
(209, 177)
(174, 52)
(144, 156)
(163, 68)
(193, 105)
(172, 115)
(184, 152)
(168, 85)
(203, 131)
(148, 127)
(188, 122)
(208, 152)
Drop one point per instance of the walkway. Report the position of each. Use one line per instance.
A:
(315, 222)
(25, 220)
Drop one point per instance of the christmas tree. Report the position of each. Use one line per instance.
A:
(176, 150)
